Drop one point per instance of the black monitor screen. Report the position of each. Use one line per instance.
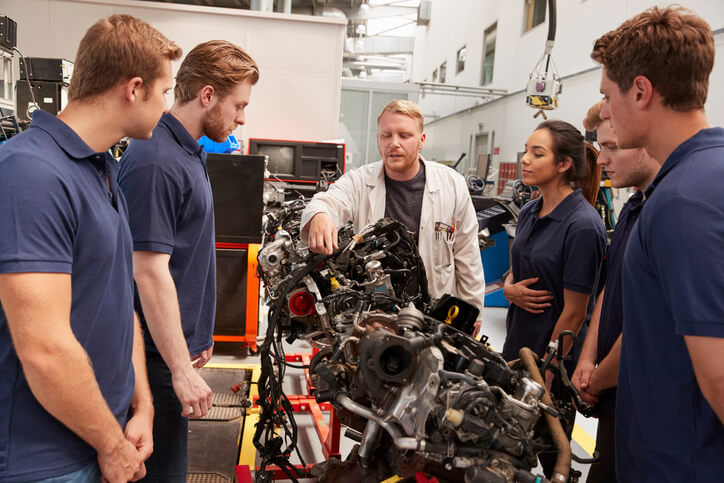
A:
(281, 159)
(301, 161)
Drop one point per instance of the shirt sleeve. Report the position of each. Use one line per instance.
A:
(686, 246)
(37, 219)
(469, 275)
(339, 202)
(584, 251)
(154, 199)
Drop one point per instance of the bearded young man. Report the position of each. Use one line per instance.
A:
(171, 214)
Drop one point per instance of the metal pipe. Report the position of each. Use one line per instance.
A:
(527, 407)
(402, 442)
(563, 461)
(369, 439)
(456, 376)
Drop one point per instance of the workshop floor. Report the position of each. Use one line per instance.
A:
(494, 327)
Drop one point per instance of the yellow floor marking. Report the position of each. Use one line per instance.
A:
(248, 450)
(585, 440)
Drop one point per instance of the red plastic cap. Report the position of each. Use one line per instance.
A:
(302, 303)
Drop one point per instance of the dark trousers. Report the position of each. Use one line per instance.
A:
(605, 470)
(169, 461)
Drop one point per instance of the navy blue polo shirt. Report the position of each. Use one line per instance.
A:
(58, 215)
(611, 321)
(673, 285)
(171, 210)
(565, 250)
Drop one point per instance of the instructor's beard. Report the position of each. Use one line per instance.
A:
(213, 125)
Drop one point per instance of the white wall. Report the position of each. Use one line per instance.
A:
(455, 23)
(299, 57)
(451, 122)
(509, 119)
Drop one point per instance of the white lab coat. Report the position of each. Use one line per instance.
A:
(453, 265)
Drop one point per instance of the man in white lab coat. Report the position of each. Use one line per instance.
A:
(431, 199)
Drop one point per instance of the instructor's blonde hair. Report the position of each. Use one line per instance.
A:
(408, 108)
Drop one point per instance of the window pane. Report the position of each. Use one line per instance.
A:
(489, 55)
(443, 72)
(539, 15)
(488, 64)
(534, 13)
(352, 117)
(461, 60)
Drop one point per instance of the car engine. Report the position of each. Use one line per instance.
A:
(420, 394)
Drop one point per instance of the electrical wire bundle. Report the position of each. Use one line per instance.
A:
(276, 410)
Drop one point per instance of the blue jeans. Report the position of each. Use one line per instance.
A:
(169, 461)
(88, 474)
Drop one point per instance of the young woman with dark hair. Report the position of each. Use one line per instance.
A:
(560, 241)
(558, 249)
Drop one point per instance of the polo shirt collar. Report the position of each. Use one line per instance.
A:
(704, 138)
(637, 197)
(564, 208)
(63, 135)
(183, 137)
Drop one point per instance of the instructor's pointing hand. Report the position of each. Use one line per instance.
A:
(322, 234)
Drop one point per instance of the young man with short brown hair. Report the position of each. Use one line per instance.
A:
(171, 214)
(596, 373)
(670, 398)
(76, 403)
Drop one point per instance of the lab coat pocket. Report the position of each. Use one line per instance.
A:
(444, 271)
(444, 255)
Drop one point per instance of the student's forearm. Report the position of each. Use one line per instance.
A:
(707, 357)
(572, 317)
(606, 374)
(159, 300)
(142, 399)
(589, 352)
(61, 378)
(572, 322)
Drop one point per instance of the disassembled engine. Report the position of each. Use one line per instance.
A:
(420, 394)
